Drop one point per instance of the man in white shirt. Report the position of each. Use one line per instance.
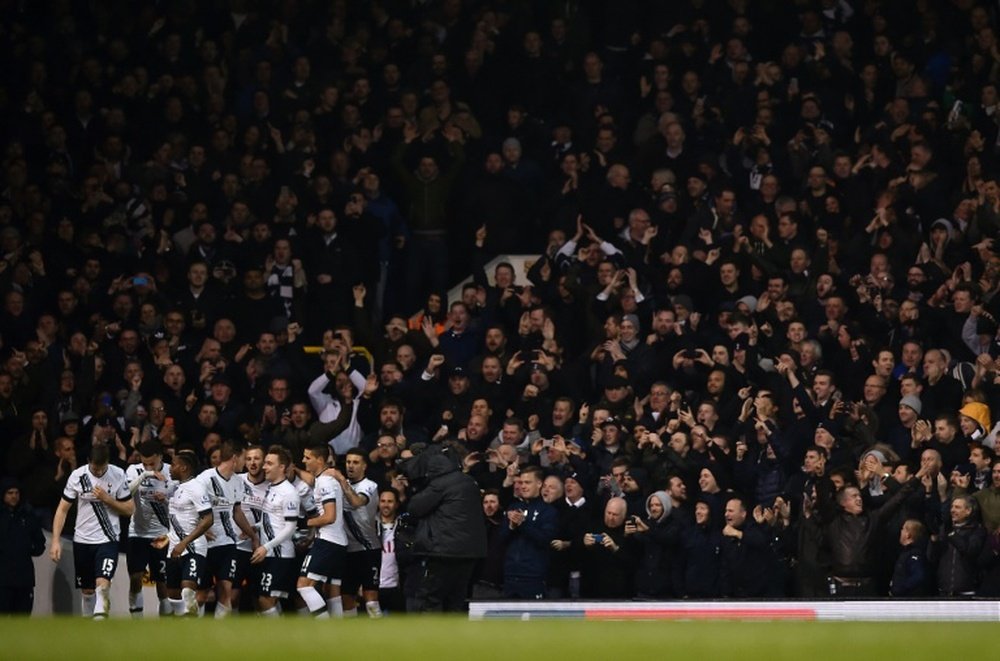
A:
(324, 563)
(150, 484)
(364, 546)
(190, 518)
(102, 495)
(276, 553)
(254, 492)
(226, 491)
(328, 404)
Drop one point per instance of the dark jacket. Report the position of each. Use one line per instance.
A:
(20, 539)
(654, 577)
(702, 548)
(747, 564)
(528, 544)
(853, 540)
(958, 567)
(608, 574)
(447, 506)
(911, 573)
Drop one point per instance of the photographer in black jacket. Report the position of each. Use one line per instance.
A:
(450, 533)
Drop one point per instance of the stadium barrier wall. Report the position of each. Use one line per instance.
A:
(850, 611)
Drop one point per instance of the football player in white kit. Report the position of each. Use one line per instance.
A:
(276, 553)
(390, 588)
(190, 518)
(324, 562)
(254, 491)
(226, 491)
(149, 482)
(102, 495)
(364, 546)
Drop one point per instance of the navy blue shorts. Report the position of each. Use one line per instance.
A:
(324, 561)
(140, 555)
(362, 570)
(189, 568)
(218, 565)
(94, 561)
(277, 577)
(239, 567)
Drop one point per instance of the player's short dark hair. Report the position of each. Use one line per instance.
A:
(321, 450)
(188, 459)
(150, 449)
(357, 452)
(228, 450)
(100, 454)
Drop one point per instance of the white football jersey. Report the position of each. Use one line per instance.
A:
(224, 494)
(327, 490)
(252, 506)
(281, 509)
(151, 518)
(188, 504)
(389, 575)
(362, 522)
(307, 504)
(95, 522)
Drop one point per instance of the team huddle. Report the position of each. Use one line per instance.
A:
(255, 522)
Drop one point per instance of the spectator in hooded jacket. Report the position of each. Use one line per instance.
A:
(20, 539)
(450, 532)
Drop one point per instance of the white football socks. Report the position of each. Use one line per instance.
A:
(374, 609)
(335, 607)
(87, 604)
(135, 603)
(102, 604)
(190, 599)
(314, 601)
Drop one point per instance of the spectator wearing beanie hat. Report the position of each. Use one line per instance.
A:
(901, 433)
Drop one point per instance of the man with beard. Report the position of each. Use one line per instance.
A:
(254, 492)
(664, 341)
(364, 547)
(391, 422)
(488, 581)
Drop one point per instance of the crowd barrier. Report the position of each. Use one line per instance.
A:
(828, 611)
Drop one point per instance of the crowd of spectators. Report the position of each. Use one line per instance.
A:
(757, 353)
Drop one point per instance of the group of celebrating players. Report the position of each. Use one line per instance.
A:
(309, 538)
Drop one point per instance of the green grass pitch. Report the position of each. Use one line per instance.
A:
(294, 639)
